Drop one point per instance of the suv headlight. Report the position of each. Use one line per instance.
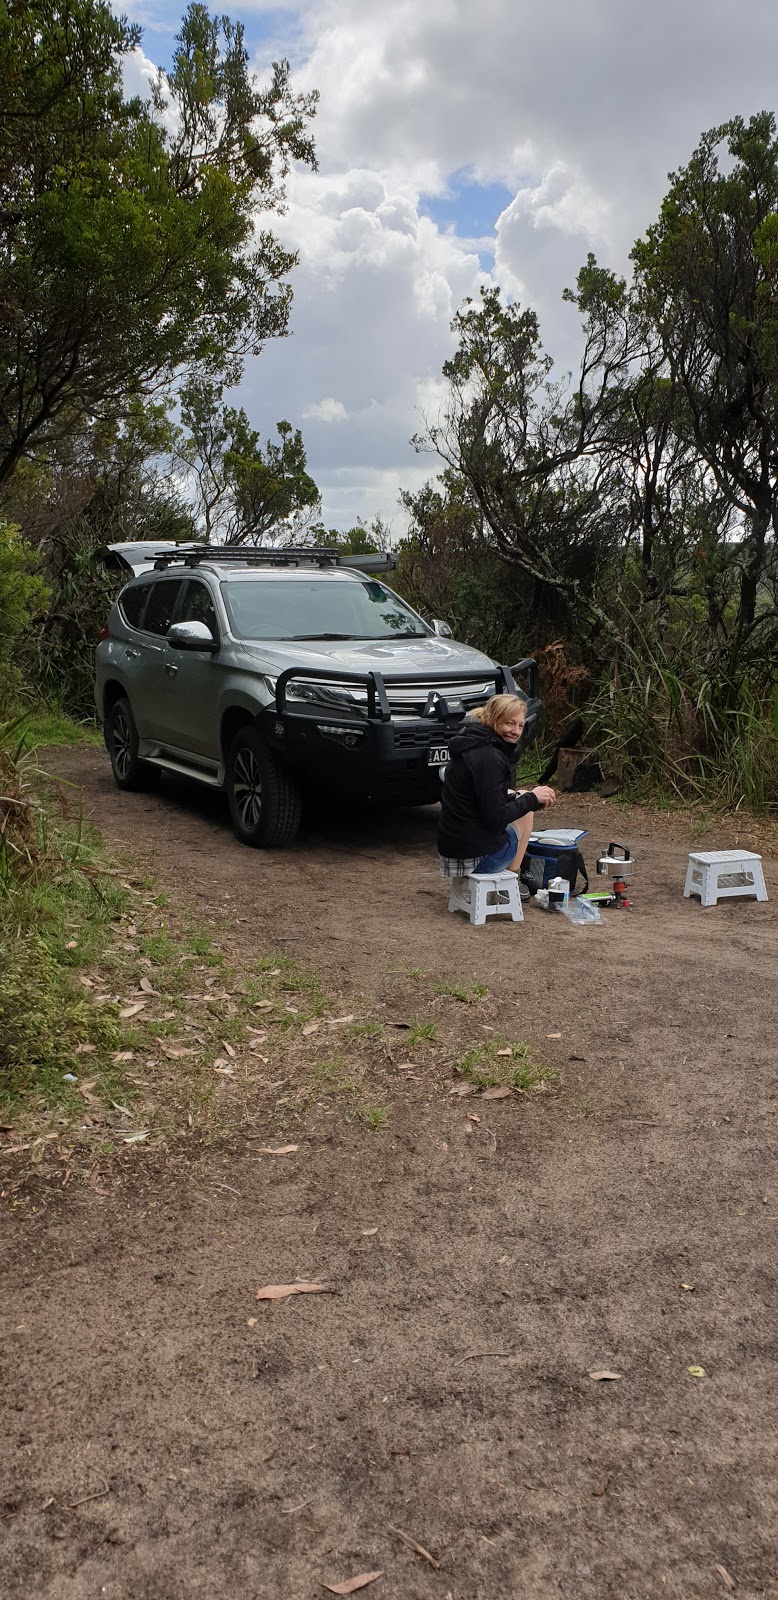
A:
(332, 696)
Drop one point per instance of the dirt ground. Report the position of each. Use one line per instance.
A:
(158, 1443)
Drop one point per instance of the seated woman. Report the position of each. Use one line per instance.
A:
(484, 824)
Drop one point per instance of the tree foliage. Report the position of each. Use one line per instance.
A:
(244, 490)
(639, 502)
(127, 243)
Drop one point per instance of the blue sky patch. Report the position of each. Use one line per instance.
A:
(470, 208)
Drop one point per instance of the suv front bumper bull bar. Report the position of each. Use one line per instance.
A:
(376, 752)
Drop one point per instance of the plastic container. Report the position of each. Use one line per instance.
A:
(558, 893)
(579, 911)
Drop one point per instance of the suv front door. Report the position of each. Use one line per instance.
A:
(191, 691)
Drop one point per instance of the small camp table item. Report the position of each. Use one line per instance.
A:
(619, 868)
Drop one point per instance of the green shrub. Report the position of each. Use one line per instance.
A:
(23, 594)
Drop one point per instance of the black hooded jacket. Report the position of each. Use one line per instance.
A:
(475, 807)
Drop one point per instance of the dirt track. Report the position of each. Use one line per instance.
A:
(444, 1389)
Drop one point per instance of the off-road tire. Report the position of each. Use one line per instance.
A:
(264, 798)
(121, 738)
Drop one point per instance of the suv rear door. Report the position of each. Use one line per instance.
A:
(147, 692)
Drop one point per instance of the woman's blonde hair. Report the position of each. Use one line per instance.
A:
(498, 709)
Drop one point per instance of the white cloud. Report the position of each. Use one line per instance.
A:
(327, 410)
(580, 110)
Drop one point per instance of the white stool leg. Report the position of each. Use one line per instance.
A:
(514, 899)
(690, 886)
(479, 888)
(710, 884)
(459, 897)
(759, 883)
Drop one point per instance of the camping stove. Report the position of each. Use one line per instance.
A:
(619, 868)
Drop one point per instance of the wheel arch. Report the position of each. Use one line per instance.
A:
(113, 690)
(234, 719)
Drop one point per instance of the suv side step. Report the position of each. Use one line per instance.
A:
(185, 770)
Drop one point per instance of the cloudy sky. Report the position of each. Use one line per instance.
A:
(460, 144)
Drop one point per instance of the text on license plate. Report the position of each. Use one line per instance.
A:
(438, 755)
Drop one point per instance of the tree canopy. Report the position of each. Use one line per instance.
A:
(128, 249)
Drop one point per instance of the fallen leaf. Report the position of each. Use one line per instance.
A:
(689, 1287)
(310, 1027)
(147, 986)
(224, 1069)
(71, 944)
(87, 982)
(122, 1055)
(352, 1584)
(84, 1049)
(251, 1322)
(130, 1011)
(507, 1052)
(336, 1021)
(696, 1372)
(368, 1232)
(495, 1094)
(228, 1048)
(472, 1117)
(276, 1150)
(264, 1005)
(553, 1035)
(174, 1052)
(280, 1291)
(275, 972)
(295, 1010)
(133, 1138)
(462, 1089)
(406, 1066)
(726, 1578)
(606, 1377)
(259, 1039)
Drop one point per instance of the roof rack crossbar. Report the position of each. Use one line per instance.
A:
(290, 555)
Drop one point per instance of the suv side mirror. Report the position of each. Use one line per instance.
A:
(442, 629)
(191, 636)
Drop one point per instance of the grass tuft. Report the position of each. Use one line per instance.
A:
(487, 1068)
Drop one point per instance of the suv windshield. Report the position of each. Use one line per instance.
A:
(319, 609)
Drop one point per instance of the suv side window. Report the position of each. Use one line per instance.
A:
(162, 604)
(132, 602)
(197, 606)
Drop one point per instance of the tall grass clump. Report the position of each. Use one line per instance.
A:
(683, 732)
(55, 904)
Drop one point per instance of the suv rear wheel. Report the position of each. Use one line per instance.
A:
(121, 737)
(264, 798)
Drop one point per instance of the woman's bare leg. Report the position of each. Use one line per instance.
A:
(523, 826)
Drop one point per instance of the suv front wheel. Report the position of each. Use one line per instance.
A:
(121, 737)
(264, 799)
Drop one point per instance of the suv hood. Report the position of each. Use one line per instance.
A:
(390, 657)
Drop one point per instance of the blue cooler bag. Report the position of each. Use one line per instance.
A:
(554, 853)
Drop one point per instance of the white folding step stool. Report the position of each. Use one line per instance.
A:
(719, 874)
(487, 894)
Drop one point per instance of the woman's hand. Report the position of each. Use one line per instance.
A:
(545, 794)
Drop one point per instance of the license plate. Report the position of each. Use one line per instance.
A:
(438, 755)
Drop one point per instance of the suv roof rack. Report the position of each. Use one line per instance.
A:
(291, 556)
